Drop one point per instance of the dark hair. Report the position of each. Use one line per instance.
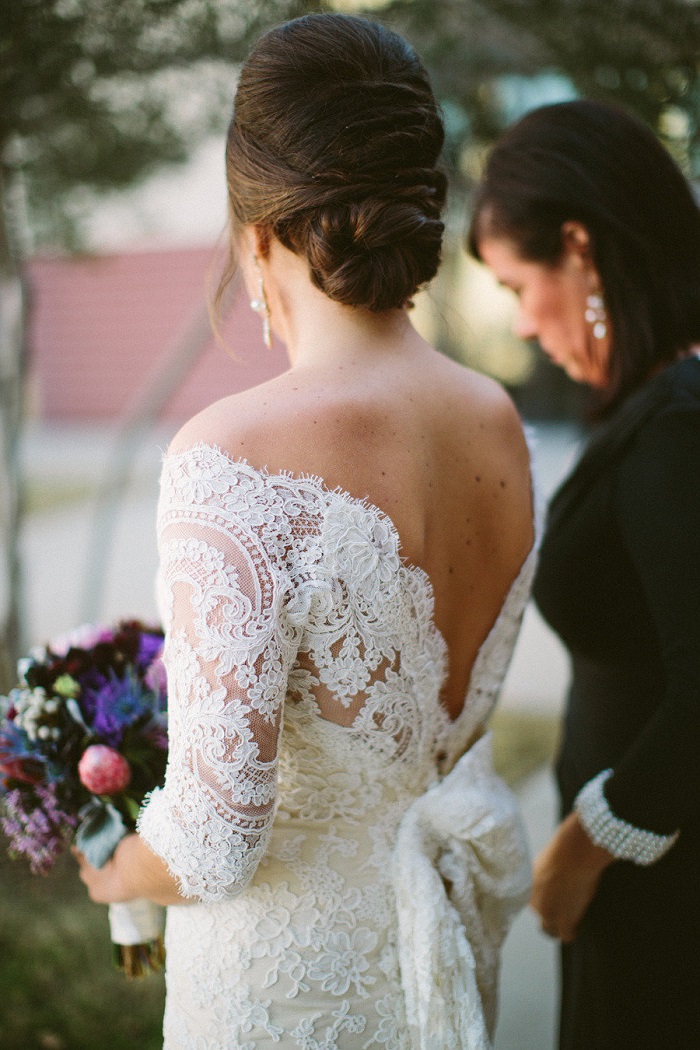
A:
(598, 165)
(332, 148)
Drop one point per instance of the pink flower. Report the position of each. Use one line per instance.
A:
(87, 636)
(103, 770)
(156, 678)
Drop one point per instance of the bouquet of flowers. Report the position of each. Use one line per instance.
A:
(83, 739)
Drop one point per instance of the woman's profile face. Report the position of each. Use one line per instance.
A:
(552, 306)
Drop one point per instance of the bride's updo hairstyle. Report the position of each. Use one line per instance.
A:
(332, 148)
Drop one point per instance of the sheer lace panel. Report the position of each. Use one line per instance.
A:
(229, 651)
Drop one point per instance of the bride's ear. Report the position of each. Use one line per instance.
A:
(262, 238)
(576, 242)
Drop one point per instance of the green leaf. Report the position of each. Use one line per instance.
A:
(100, 830)
(133, 807)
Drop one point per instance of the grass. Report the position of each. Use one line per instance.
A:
(42, 496)
(522, 743)
(59, 989)
(47, 496)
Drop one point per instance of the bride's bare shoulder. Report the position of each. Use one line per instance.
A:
(474, 386)
(248, 424)
(482, 407)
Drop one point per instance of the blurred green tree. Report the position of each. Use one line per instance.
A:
(95, 94)
(642, 54)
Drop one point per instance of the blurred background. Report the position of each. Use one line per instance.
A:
(112, 237)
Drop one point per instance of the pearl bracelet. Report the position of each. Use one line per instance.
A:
(623, 840)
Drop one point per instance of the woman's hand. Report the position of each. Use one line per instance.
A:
(565, 878)
(105, 885)
(133, 871)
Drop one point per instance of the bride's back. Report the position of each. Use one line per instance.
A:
(438, 448)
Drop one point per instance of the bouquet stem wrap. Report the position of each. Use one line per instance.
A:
(136, 929)
(136, 926)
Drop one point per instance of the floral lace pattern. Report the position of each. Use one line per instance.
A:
(304, 672)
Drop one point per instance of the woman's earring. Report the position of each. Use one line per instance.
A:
(596, 315)
(260, 306)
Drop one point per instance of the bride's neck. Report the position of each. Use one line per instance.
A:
(316, 330)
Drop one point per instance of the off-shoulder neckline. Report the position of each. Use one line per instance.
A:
(318, 482)
(366, 503)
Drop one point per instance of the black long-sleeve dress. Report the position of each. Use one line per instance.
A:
(619, 580)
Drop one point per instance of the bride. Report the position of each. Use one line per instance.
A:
(345, 555)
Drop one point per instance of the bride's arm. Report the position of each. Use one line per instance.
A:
(229, 648)
(133, 871)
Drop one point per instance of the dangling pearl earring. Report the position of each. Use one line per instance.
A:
(596, 315)
(260, 306)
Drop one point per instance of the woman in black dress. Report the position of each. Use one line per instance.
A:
(585, 216)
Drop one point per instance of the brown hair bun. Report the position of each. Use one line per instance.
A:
(332, 147)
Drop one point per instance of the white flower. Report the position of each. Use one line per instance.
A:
(273, 931)
(32, 706)
(23, 666)
(291, 964)
(301, 683)
(343, 962)
(84, 637)
(203, 478)
(362, 546)
(254, 1013)
(347, 674)
(388, 1030)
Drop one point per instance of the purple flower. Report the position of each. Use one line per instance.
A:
(156, 732)
(95, 689)
(116, 705)
(39, 833)
(150, 646)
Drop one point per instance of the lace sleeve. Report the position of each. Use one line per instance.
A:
(229, 648)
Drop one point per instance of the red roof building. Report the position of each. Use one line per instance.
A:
(101, 328)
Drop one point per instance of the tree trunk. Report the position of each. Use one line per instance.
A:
(12, 368)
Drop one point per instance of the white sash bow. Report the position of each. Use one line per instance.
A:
(461, 874)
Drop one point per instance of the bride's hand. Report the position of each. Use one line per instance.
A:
(104, 885)
(134, 871)
(565, 878)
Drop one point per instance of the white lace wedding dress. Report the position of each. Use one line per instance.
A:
(354, 869)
